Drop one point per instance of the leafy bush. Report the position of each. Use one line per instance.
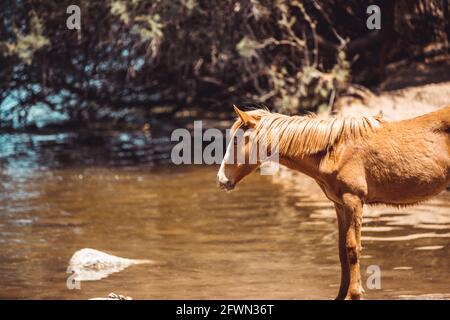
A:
(150, 56)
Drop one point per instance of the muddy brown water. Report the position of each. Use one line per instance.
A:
(272, 238)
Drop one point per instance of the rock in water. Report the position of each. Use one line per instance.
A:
(90, 264)
(113, 296)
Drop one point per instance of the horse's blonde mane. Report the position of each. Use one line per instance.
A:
(311, 134)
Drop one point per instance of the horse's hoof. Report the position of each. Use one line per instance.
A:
(354, 294)
(353, 297)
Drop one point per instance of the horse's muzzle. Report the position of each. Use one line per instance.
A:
(228, 185)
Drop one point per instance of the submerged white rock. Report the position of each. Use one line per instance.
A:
(113, 296)
(90, 264)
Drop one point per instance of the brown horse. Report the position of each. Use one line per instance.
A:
(355, 161)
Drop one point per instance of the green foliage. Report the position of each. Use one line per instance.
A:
(310, 89)
(190, 4)
(119, 8)
(25, 45)
(205, 54)
(247, 47)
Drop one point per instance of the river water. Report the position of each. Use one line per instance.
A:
(272, 238)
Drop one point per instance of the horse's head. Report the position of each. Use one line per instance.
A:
(240, 158)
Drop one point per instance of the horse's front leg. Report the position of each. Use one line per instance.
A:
(353, 208)
(345, 268)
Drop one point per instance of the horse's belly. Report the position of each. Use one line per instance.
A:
(404, 193)
(409, 172)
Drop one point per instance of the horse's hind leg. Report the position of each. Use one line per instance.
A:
(353, 208)
(345, 268)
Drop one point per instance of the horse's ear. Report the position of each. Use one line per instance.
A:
(245, 117)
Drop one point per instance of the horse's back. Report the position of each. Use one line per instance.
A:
(438, 120)
(407, 161)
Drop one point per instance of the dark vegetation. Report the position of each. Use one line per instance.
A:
(136, 59)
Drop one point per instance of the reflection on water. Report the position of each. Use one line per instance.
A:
(272, 238)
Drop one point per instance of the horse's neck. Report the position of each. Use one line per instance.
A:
(308, 164)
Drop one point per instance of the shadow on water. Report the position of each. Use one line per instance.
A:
(274, 237)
